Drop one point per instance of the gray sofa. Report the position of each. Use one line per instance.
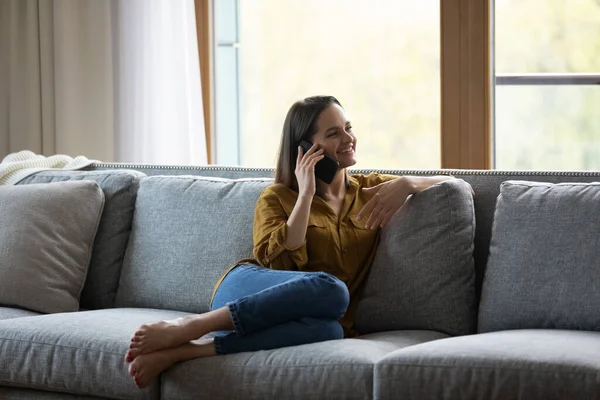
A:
(157, 255)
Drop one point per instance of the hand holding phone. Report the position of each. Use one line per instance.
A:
(305, 170)
(326, 168)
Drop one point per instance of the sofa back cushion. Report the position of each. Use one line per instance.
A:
(423, 274)
(544, 263)
(120, 190)
(47, 233)
(186, 232)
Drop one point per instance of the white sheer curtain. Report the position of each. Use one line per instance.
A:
(158, 83)
(114, 80)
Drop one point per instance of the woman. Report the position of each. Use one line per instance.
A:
(313, 246)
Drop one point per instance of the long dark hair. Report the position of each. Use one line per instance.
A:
(300, 124)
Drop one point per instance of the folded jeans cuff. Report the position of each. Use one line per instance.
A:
(237, 323)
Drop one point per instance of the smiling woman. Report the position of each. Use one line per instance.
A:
(331, 133)
(314, 243)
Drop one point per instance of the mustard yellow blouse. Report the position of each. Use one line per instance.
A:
(339, 245)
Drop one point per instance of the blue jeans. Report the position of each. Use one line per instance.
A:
(272, 309)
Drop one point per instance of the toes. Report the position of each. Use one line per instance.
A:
(141, 330)
(137, 338)
(138, 377)
(132, 370)
(131, 355)
(135, 345)
(136, 380)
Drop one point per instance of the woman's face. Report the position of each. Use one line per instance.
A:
(335, 136)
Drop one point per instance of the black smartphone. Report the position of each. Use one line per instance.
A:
(325, 169)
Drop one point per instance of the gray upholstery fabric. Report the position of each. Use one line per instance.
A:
(423, 274)
(11, 312)
(120, 190)
(402, 339)
(485, 183)
(186, 232)
(208, 171)
(46, 236)
(9, 393)
(340, 369)
(79, 353)
(520, 364)
(544, 258)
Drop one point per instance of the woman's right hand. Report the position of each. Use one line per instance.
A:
(305, 170)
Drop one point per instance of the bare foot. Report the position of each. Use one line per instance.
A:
(158, 336)
(176, 332)
(146, 367)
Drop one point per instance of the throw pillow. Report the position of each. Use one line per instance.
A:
(46, 237)
(120, 189)
(542, 271)
(423, 274)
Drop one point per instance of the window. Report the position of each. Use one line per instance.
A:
(547, 61)
(381, 59)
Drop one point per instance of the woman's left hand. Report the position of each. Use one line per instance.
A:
(389, 196)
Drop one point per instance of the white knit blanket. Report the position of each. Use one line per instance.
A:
(17, 166)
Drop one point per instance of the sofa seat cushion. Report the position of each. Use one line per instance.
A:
(11, 312)
(78, 353)
(340, 369)
(518, 364)
(12, 393)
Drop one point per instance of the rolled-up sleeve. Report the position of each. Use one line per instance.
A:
(270, 233)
